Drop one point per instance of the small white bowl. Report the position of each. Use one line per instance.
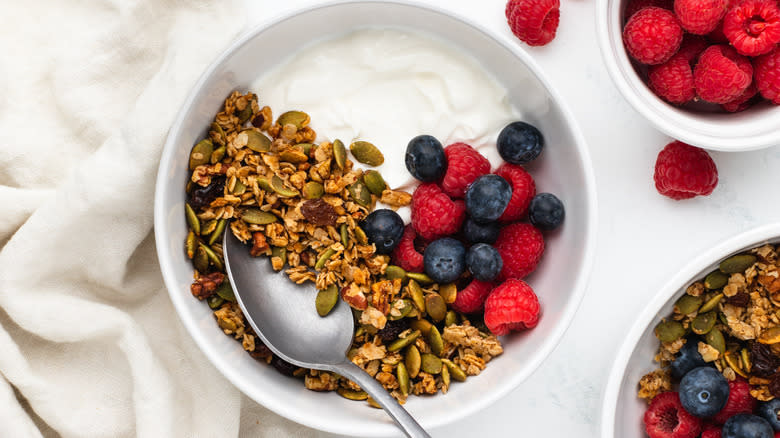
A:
(622, 410)
(564, 170)
(754, 128)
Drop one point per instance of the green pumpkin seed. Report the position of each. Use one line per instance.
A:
(313, 190)
(417, 294)
(217, 233)
(324, 258)
(454, 370)
(239, 188)
(213, 257)
(403, 342)
(715, 280)
(704, 322)
(279, 251)
(450, 319)
(226, 292)
(360, 235)
(298, 118)
(392, 272)
(711, 303)
(449, 292)
(366, 153)
(715, 339)
(281, 189)
(326, 300)
(687, 304)
(220, 134)
(208, 227)
(192, 219)
(257, 141)
(265, 184)
(445, 377)
(344, 232)
(435, 341)
(201, 260)
(737, 263)
(308, 148)
(770, 336)
(191, 244)
(723, 319)
(295, 156)
(430, 363)
(201, 153)
(422, 325)
(339, 154)
(352, 395)
(374, 181)
(405, 307)
(412, 361)
(745, 355)
(360, 194)
(420, 277)
(435, 306)
(258, 217)
(403, 378)
(732, 360)
(669, 331)
(215, 301)
(371, 402)
(244, 114)
(218, 155)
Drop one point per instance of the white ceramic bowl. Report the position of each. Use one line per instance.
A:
(751, 129)
(622, 410)
(564, 169)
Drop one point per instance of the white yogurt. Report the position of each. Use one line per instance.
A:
(387, 86)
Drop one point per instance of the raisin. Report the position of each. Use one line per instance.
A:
(765, 363)
(203, 196)
(261, 351)
(283, 366)
(774, 385)
(319, 212)
(393, 329)
(741, 299)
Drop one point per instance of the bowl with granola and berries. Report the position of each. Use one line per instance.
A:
(409, 165)
(703, 360)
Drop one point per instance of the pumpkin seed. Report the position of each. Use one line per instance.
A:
(360, 194)
(279, 251)
(435, 306)
(430, 363)
(420, 277)
(281, 189)
(715, 339)
(770, 336)
(703, 323)
(339, 153)
(669, 331)
(449, 292)
(745, 354)
(422, 325)
(366, 153)
(215, 301)
(715, 280)
(404, 308)
(298, 118)
(192, 219)
(257, 141)
(416, 293)
(264, 184)
(326, 300)
(239, 188)
(687, 304)
(258, 217)
(344, 232)
(454, 370)
(208, 227)
(293, 155)
(435, 341)
(403, 378)
(371, 402)
(450, 319)
(201, 260)
(308, 148)
(313, 190)
(445, 378)
(360, 235)
(711, 303)
(403, 342)
(392, 272)
(412, 361)
(213, 257)
(217, 155)
(191, 244)
(324, 258)
(201, 153)
(360, 331)
(737, 263)
(226, 292)
(352, 395)
(244, 114)
(733, 361)
(217, 233)
(374, 181)
(221, 137)
(723, 319)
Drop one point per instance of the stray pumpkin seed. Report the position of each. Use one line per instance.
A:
(192, 219)
(450, 319)
(366, 153)
(191, 244)
(445, 377)
(435, 341)
(449, 292)
(430, 363)
(258, 217)
(745, 354)
(352, 395)
(213, 257)
(687, 304)
(715, 339)
(412, 361)
(770, 336)
(669, 331)
(435, 306)
(403, 342)
(392, 272)
(454, 370)
(733, 361)
(703, 323)
(360, 194)
(281, 189)
(326, 300)
(360, 235)
(215, 301)
(324, 258)
(257, 141)
(313, 190)
(218, 230)
(715, 280)
(737, 263)
(403, 378)
(422, 325)
(416, 293)
(298, 118)
(374, 181)
(264, 184)
(201, 153)
(226, 292)
(201, 260)
(217, 155)
(711, 303)
(293, 155)
(339, 153)
(420, 277)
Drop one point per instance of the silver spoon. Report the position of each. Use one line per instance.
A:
(284, 317)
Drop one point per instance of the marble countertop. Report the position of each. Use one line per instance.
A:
(643, 237)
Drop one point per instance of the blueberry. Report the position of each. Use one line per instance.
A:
(383, 228)
(703, 391)
(444, 260)
(688, 359)
(546, 211)
(425, 158)
(487, 198)
(520, 143)
(747, 426)
(476, 232)
(484, 262)
(770, 410)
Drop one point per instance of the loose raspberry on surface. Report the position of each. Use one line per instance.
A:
(673, 80)
(683, 171)
(699, 17)
(721, 74)
(740, 401)
(753, 26)
(405, 254)
(464, 165)
(743, 101)
(521, 246)
(652, 35)
(635, 6)
(666, 418)
(513, 305)
(434, 214)
(767, 75)
(533, 21)
(472, 298)
(523, 190)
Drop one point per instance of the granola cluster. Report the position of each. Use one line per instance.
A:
(300, 203)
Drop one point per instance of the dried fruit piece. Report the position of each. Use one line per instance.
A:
(319, 212)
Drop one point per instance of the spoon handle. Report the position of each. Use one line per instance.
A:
(401, 416)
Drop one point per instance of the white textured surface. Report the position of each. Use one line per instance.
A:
(643, 237)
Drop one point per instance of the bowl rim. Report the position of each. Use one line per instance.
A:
(740, 242)
(653, 108)
(381, 429)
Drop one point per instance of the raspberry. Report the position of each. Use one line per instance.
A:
(740, 401)
(711, 431)
(768, 75)
(533, 21)
(523, 190)
(672, 80)
(472, 298)
(635, 6)
(721, 74)
(699, 17)
(683, 171)
(511, 306)
(753, 26)
(405, 254)
(521, 246)
(666, 418)
(434, 214)
(743, 101)
(652, 35)
(691, 47)
(464, 165)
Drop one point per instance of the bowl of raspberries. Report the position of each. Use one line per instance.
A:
(706, 72)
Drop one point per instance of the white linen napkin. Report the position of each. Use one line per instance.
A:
(88, 336)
